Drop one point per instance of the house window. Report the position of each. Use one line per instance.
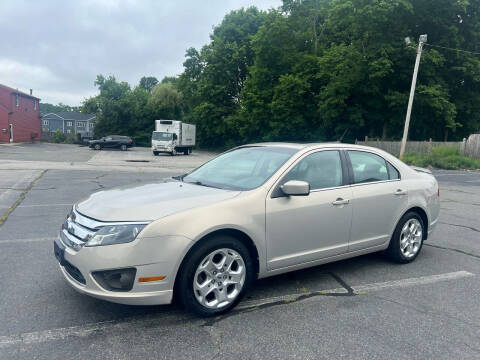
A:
(17, 100)
(45, 122)
(69, 123)
(69, 131)
(80, 124)
(34, 104)
(92, 125)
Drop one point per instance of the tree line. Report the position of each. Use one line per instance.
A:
(314, 70)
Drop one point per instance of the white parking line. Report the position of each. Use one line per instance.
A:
(423, 280)
(16, 241)
(125, 325)
(43, 205)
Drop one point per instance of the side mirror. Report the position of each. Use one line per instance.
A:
(175, 136)
(296, 188)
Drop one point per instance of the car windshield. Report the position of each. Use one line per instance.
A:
(162, 136)
(242, 169)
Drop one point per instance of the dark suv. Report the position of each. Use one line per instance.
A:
(112, 141)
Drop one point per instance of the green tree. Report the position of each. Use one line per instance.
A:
(148, 82)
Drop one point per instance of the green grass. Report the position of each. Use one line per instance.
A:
(443, 157)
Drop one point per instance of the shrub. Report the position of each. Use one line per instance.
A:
(59, 137)
(443, 151)
(443, 157)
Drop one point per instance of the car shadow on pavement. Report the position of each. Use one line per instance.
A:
(322, 277)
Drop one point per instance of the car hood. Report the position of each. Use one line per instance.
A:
(150, 201)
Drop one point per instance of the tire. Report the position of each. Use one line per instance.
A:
(155, 153)
(407, 239)
(185, 152)
(123, 147)
(97, 147)
(210, 253)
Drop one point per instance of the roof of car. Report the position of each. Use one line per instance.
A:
(301, 146)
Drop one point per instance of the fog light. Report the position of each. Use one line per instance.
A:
(116, 280)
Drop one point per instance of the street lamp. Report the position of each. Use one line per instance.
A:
(421, 41)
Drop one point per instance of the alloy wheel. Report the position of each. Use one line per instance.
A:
(219, 278)
(411, 238)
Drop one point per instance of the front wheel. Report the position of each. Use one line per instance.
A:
(155, 153)
(123, 147)
(215, 276)
(97, 147)
(407, 239)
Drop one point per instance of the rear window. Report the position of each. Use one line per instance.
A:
(368, 167)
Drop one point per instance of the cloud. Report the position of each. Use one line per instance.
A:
(58, 47)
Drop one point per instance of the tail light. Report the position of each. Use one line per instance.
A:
(438, 191)
(130, 140)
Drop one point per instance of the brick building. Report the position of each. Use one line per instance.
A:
(19, 116)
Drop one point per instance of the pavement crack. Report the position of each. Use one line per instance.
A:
(5, 216)
(463, 226)
(453, 249)
(97, 181)
(288, 300)
(342, 282)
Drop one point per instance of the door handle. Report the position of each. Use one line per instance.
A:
(340, 201)
(400, 192)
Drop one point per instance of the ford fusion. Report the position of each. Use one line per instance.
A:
(252, 212)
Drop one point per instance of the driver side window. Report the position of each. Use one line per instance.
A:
(321, 170)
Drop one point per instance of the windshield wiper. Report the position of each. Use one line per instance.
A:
(179, 177)
(201, 184)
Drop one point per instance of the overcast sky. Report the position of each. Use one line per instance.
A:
(57, 47)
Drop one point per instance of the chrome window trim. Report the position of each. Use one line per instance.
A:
(374, 153)
(374, 182)
(272, 189)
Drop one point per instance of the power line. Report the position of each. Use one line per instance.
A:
(452, 49)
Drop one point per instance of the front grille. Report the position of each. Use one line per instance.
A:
(74, 272)
(77, 230)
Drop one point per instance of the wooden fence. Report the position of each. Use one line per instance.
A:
(469, 147)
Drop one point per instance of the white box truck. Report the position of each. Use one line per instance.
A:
(173, 137)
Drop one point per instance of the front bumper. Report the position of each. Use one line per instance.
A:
(77, 268)
(163, 148)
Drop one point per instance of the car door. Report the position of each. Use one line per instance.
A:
(379, 199)
(300, 229)
(107, 142)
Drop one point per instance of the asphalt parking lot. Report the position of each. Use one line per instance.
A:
(362, 308)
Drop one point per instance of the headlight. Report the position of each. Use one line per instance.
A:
(115, 234)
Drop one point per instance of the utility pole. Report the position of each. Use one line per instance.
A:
(421, 41)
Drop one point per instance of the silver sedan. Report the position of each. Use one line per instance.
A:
(252, 212)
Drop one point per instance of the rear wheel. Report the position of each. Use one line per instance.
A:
(407, 239)
(215, 276)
